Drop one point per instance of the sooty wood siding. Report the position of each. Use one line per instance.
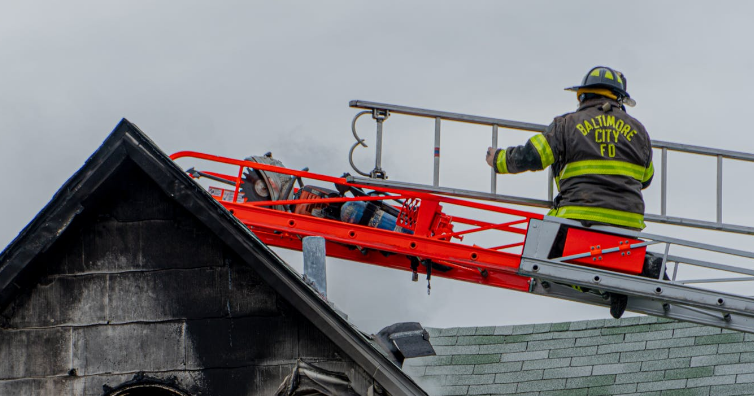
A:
(137, 284)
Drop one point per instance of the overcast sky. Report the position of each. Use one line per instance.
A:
(247, 77)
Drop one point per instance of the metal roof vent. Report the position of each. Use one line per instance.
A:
(403, 341)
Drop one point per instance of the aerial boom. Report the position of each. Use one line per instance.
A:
(475, 237)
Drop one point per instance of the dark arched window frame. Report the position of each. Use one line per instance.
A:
(145, 389)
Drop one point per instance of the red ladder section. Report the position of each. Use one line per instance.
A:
(433, 245)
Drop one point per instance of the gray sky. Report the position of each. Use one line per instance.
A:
(242, 78)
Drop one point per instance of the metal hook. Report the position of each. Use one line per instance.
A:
(353, 127)
(379, 115)
(350, 159)
(359, 141)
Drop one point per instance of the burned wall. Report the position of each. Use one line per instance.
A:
(136, 284)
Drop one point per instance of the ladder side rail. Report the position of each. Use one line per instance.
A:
(390, 187)
(710, 265)
(524, 126)
(708, 151)
(716, 280)
(720, 155)
(648, 306)
(493, 278)
(454, 192)
(327, 200)
(573, 274)
(686, 243)
(701, 224)
(665, 146)
(423, 192)
(539, 203)
(256, 165)
(371, 238)
(471, 119)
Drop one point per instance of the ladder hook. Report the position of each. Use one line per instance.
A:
(359, 141)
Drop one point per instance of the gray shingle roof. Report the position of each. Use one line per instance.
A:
(630, 356)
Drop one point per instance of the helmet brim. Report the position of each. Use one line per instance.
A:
(626, 99)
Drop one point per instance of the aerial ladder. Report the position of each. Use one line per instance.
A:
(412, 227)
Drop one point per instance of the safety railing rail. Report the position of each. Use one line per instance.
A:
(381, 111)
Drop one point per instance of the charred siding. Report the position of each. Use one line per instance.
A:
(137, 284)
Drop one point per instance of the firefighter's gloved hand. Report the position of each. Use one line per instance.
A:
(491, 156)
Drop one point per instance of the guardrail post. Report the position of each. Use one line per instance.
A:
(493, 177)
(436, 175)
(380, 116)
(719, 188)
(664, 183)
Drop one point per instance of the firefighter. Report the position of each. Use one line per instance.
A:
(601, 158)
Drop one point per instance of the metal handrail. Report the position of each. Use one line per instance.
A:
(471, 119)
(382, 110)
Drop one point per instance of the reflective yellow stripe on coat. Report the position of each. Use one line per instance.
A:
(609, 216)
(500, 164)
(543, 148)
(648, 173)
(606, 167)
